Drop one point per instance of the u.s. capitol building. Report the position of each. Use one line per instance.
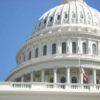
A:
(48, 62)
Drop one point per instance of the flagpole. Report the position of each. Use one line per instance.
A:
(79, 70)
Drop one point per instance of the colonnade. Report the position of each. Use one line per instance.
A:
(68, 73)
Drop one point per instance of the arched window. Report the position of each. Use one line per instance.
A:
(74, 80)
(73, 47)
(63, 47)
(51, 19)
(63, 80)
(36, 53)
(84, 48)
(54, 48)
(93, 48)
(45, 50)
(51, 80)
(97, 81)
(66, 16)
(85, 81)
(58, 17)
(39, 24)
(73, 15)
(29, 55)
(45, 21)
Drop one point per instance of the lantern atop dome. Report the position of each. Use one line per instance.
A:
(66, 1)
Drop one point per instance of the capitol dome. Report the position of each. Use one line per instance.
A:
(69, 13)
(63, 51)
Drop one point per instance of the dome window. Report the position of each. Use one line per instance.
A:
(63, 47)
(36, 53)
(54, 48)
(66, 16)
(84, 48)
(74, 47)
(74, 80)
(39, 24)
(51, 19)
(45, 21)
(93, 48)
(58, 17)
(45, 50)
(29, 55)
(73, 15)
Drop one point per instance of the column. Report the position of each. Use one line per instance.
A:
(98, 48)
(79, 51)
(32, 77)
(89, 49)
(42, 75)
(40, 49)
(55, 75)
(69, 47)
(94, 76)
(48, 48)
(68, 75)
(22, 78)
(58, 47)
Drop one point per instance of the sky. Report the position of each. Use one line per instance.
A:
(17, 19)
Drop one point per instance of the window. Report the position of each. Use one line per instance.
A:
(97, 81)
(84, 48)
(66, 16)
(63, 80)
(29, 55)
(45, 50)
(73, 47)
(54, 48)
(51, 19)
(58, 17)
(93, 48)
(81, 16)
(36, 53)
(73, 15)
(39, 24)
(74, 80)
(51, 80)
(63, 47)
(45, 21)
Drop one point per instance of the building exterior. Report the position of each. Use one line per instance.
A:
(48, 62)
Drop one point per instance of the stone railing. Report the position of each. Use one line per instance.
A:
(4, 86)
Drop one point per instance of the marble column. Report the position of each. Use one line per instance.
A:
(48, 48)
(22, 78)
(67, 75)
(55, 75)
(42, 75)
(94, 76)
(32, 77)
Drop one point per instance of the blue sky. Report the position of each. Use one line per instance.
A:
(17, 19)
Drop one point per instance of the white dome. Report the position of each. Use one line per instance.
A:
(69, 12)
